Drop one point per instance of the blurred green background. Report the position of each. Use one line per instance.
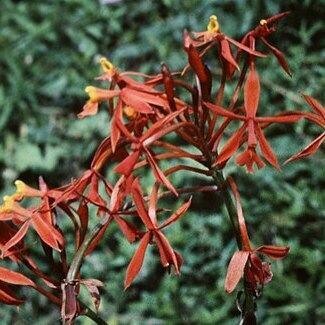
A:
(49, 53)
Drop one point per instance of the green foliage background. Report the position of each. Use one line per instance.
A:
(48, 54)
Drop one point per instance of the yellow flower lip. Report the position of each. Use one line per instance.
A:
(22, 189)
(130, 112)
(8, 203)
(263, 22)
(21, 186)
(213, 26)
(92, 93)
(107, 66)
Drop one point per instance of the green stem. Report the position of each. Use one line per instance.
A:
(232, 212)
(249, 305)
(92, 315)
(76, 264)
(77, 260)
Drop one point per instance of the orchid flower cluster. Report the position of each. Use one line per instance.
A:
(143, 110)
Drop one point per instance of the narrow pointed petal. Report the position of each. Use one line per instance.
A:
(126, 166)
(227, 54)
(159, 175)
(266, 148)
(133, 99)
(274, 252)
(278, 54)
(196, 63)
(161, 133)
(231, 145)
(16, 278)
(240, 215)
(310, 149)
(153, 204)
(89, 108)
(129, 231)
(46, 232)
(252, 93)
(280, 118)
(93, 194)
(137, 260)
(115, 130)
(277, 17)
(140, 204)
(17, 238)
(315, 105)
(179, 212)
(256, 267)
(235, 270)
(245, 48)
(223, 112)
(7, 297)
(151, 134)
(167, 255)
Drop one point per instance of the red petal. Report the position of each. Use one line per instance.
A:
(315, 105)
(256, 268)
(266, 148)
(126, 166)
(137, 260)
(310, 149)
(245, 48)
(248, 158)
(16, 238)
(175, 216)
(166, 252)
(273, 252)
(140, 205)
(129, 231)
(277, 17)
(153, 204)
(16, 278)
(159, 175)
(252, 93)
(235, 270)
(89, 108)
(93, 194)
(115, 130)
(280, 118)
(46, 231)
(7, 297)
(159, 127)
(231, 145)
(134, 99)
(241, 219)
(223, 112)
(227, 54)
(278, 55)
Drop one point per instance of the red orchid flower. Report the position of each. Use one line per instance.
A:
(39, 216)
(262, 31)
(318, 118)
(246, 260)
(252, 123)
(154, 233)
(211, 37)
(132, 93)
(141, 145)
